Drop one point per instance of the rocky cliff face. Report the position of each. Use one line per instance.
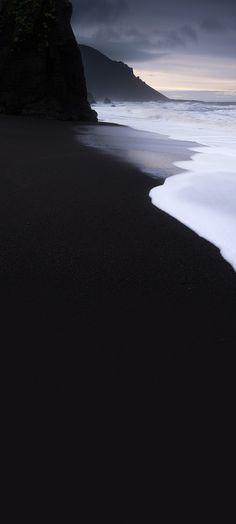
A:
(41, 70)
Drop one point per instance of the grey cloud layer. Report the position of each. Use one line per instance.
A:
(98, 11)
(138, 30)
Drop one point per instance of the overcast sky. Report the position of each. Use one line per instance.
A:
(172, 44)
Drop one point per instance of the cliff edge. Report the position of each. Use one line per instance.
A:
(41, 71)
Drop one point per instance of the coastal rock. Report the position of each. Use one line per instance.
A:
(41, 71)
(107, 101)
(91, 99)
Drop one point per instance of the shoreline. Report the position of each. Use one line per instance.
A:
(153, 154)
(203, 197)
(93, 276)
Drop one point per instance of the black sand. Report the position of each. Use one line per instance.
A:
(117, 335)
(96, 283)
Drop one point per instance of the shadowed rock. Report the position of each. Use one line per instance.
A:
(41, 71)
(107, 101)
(91, 98)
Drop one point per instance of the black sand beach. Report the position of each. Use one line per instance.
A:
(97, 285)
(117, 327)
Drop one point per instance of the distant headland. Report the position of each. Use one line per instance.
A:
(114, 80)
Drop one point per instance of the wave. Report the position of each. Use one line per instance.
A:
(203, 195)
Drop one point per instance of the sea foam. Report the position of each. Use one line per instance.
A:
(203, 195)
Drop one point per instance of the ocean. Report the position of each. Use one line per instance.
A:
(202, 192)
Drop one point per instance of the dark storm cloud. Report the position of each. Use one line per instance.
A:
(138, 30)
(98, 10)
(189, 33)
(212, 25)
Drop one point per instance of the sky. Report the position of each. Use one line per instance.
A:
(171, 44)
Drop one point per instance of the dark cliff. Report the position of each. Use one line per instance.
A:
(41, 70)
(107, 78)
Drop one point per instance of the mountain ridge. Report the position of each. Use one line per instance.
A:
(107, 78)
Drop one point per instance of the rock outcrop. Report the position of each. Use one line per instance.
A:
(41, 71)
(116, 81)
(91, 99)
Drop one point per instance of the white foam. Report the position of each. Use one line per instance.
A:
(203, 196)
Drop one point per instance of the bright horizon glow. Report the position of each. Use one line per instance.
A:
(198, 73)
(200, 90)
(165, 81)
